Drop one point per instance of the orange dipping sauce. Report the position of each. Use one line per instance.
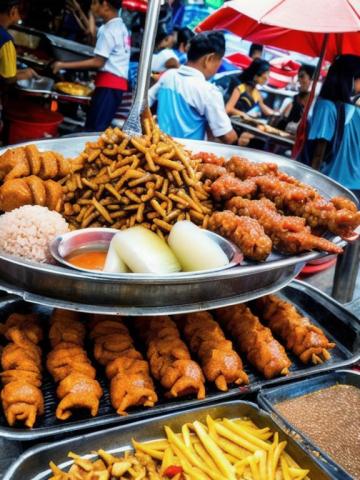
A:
(90, 259)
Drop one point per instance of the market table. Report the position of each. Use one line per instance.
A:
(268, 137)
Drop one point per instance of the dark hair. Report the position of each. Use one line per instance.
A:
(308, 69)
(161, 34)
(338, 85)
(7, 5)
(256, 68)
(113, 3)
(184, 35)
(255, 47)
(205, 43)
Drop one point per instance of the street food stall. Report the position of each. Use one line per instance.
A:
(152, 325)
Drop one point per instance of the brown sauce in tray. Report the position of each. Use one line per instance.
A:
(330, 418)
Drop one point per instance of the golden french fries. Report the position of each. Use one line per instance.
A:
(221, 449)
(149, 181)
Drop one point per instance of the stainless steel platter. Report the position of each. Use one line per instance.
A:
(34, 463)
(53, 285)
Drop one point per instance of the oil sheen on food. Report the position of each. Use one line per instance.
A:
(331, 419)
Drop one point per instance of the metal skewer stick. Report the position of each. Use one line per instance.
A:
(132, 125)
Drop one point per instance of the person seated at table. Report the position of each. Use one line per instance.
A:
(164, 56)
(292, 113)
(333, 140)
(182, 45)
(246, 96)
(187, 104)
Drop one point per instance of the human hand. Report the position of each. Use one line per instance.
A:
(56, 67)
(28, 73)
(244, 139)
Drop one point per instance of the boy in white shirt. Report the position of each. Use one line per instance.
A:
(112, 56)
(188, 106)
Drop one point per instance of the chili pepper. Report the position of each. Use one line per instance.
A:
(173, 470)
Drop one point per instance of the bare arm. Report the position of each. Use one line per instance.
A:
(92, 63)
(230, 106)
(229, 138)
(267, 111)
(319, 154)
(172, 63)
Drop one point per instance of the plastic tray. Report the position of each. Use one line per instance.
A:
(268, 398)
(339, 324)
(34, 463)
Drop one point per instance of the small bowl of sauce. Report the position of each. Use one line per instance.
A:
(84, 250)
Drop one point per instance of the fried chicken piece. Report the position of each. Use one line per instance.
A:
(304, 339)
(22, 399)
(131, 390)
(210, 158)
(244, 169)
(288, 234)
(317, 211)
(66, 327)
(62, 361)
(78, 391)
(219, 361)
(22, 402)
(30, 191)
(169, 358)
(256, 341)
(24, 161)
(245, 232)
(130, 381)
(212, 171)
(228, 186)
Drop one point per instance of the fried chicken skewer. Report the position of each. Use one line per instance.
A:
(227, 186)
(304, 339)
(288, 234)
(245, 232)
(70, 366)
(128, 373)
(254, 340)
(22, 399)
(169, 357)
(219, 361)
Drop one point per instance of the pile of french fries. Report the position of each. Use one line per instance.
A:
(150, 181)
(220, 449)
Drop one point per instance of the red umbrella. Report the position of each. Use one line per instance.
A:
(319, 28)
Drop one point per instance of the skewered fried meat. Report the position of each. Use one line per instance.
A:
(210, 158)
(228, 186)
(219, 361)
(255, 340)
(130, 381)
(169, 357)
(69, 365)
(22, 399)
(244, 169)
(245, 232)
(24, 161)
(211, 171)
(304, 339)
(288, 234)
(339, 217)
(30, 191)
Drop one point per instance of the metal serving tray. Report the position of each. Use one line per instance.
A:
(53, 285)
(34, 463)
(339, 324)
(268, 398)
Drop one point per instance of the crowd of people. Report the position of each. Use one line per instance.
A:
(186, 103)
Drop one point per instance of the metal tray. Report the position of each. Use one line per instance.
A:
(268, 398)
(51, 285)
(34, 463)
(339, 324)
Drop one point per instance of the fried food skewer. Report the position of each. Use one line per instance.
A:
(128, 373)
(70, 366)
(254, 340)
(288, 234)
(219, 361)
(169, 358)
(21, 396)
(245, 232)
(304, 339)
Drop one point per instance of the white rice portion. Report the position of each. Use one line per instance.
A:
(27, 232)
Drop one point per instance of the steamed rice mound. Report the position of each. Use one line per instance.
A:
(27, 232)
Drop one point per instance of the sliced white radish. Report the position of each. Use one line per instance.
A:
(113, 262)
(194, 249)
(144, 252)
